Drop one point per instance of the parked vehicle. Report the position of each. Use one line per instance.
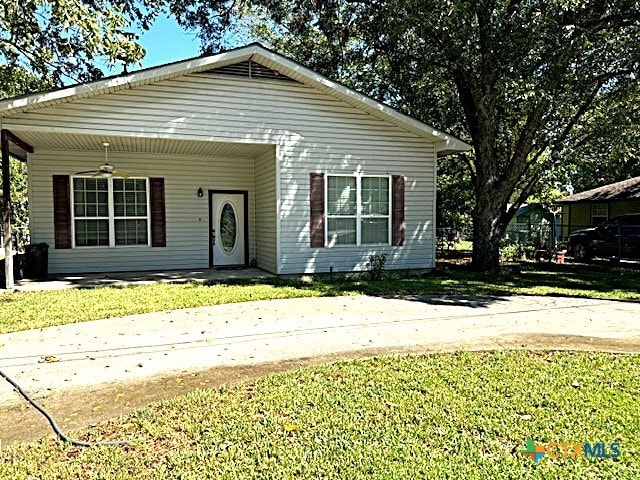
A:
(617, 237)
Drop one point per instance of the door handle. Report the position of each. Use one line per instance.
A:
(213, 237)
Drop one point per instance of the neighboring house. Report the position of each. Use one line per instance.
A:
(534, 225)
(591, 208)
(241, 158)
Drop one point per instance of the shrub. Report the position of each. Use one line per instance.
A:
(376, 266)
(515, 252)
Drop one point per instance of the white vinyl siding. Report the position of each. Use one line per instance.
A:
(312, 132)
(266, 212)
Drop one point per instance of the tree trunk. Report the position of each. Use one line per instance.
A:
(487, 234)
(489, 214)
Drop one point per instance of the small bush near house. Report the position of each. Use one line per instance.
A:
(515, 252)
(376, 270)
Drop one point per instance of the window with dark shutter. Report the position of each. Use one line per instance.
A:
(61, 211)
(316, 197)
(158, 222)
(397, 209)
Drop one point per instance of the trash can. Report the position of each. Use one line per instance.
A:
(36, 261)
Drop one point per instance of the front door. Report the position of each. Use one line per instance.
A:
(227, 236)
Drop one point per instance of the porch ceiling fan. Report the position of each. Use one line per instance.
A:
(106, 170)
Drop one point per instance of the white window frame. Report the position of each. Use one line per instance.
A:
(359, 215)
(74, 217)
(111, 218)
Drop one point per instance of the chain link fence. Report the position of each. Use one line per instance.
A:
(546, 240)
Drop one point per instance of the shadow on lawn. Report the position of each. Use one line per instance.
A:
(471, 301)
(578, 277)
(451, 283)
(457, 284)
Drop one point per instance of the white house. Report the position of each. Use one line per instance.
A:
(241, 158)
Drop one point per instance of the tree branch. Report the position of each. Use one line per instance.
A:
(517, 163)
(32, 59)
(506, 217)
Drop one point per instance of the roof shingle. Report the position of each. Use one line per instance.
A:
(624, 190)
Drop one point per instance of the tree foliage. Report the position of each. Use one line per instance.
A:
(607, 144)
(62, 40)
(454, 201)
(19, 200)
(515, 78)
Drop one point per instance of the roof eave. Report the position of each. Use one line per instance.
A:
(127, 81)
(445, 144)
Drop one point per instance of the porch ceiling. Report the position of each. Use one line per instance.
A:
(58, 141)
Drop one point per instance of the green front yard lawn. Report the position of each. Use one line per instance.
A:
(26, 310)
(464, 415)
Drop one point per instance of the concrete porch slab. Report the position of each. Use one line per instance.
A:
(120, 279)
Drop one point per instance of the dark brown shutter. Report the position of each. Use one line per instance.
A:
(158, 221)
(62, 211)
(316, 197)
(397, 210)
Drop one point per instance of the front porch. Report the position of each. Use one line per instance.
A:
(175, 225)
(123, 279)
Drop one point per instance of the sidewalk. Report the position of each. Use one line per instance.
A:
(127, 352)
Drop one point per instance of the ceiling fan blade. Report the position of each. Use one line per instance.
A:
(85, 173)
(121, 174)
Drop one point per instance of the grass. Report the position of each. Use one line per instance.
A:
(524, 278)
(465, 415)
(28, 310)
(460, 246)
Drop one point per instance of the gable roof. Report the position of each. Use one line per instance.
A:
(624, 190)
(445, 143)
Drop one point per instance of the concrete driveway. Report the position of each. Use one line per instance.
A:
(102, 368)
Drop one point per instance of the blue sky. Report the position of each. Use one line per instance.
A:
(165, 42)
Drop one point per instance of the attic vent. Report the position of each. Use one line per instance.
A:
(250, 69)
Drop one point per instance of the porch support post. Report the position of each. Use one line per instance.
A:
(5, 137)
(6, 209)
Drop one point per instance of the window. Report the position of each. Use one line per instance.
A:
(91, 211)
(342, 215)
(130, 211)
(599, 213)
(358, 209)
(110, 212)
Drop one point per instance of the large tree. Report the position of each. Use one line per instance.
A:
(63, 40)
(515, 78)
